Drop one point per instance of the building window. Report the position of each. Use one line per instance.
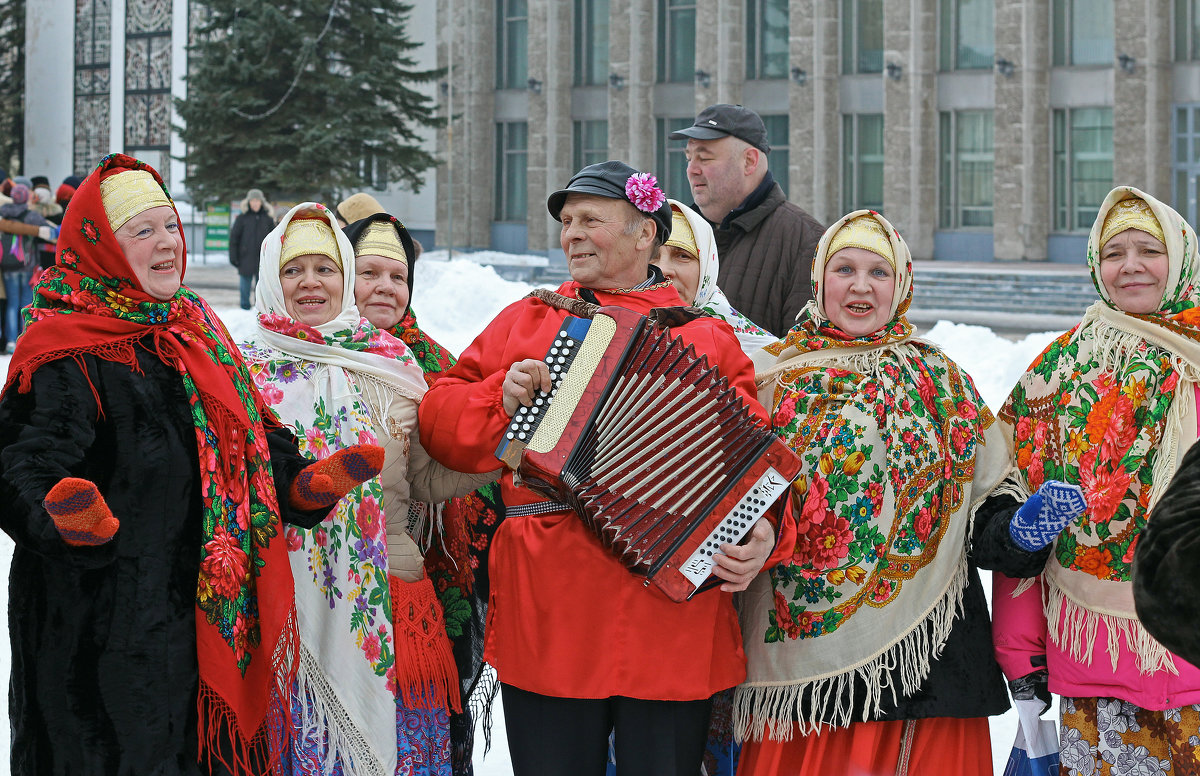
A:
(676, 40)
(591, 142)
(862, 36)
(966, 170)
(777, 160)
(512, 149)
(1185, 161)
(1083, 166)
(862, 161)
(512, 44)
(148, 83)
(373, 169)
(1083, 32)
(93, 46)
(670, 161)
(766, 39)
(967, 29)
(1187, 29)
(591, 42)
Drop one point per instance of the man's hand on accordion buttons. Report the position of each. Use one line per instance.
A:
(738, 564)
(522, 381)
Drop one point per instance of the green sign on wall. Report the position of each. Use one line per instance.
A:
(216, 228)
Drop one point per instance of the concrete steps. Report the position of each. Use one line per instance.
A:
(1004, 295)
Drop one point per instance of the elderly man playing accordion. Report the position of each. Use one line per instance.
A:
(581, 646)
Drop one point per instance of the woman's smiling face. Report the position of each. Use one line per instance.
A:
(312, 288)
(858, 287)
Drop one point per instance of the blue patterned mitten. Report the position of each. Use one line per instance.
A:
(1045, 514)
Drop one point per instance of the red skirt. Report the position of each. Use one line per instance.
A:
(901, 748)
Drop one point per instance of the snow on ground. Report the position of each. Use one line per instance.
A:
(455, 299)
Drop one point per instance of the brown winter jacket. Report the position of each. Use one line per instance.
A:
(766, 258)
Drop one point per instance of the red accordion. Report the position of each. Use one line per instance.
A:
(650, 446)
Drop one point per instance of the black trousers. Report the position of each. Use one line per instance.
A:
(549, 736)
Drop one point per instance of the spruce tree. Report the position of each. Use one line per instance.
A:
(290, 96)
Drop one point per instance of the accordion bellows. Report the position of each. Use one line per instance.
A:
(650, 446)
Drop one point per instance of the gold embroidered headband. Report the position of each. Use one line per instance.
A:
(380, 239)
(128, 193)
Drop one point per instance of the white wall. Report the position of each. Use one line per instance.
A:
(49, 88)
(417, 211)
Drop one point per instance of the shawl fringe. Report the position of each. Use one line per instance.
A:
(779, 710)
(425, 669)
(271, 739)
(1079, 625)
(324, 718)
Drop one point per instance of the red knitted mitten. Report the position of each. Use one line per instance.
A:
(319, 485)
(79, 512)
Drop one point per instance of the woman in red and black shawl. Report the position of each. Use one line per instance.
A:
(151, 603)
(457, 563)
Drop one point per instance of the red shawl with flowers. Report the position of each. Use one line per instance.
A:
(89, 303)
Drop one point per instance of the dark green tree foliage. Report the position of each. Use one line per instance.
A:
(12, 82)
(291, 96)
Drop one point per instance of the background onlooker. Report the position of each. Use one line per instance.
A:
(245, 239)
(766, 243)
(18, 258)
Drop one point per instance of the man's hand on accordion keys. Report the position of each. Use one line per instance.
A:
(522, 382)
(738, 564)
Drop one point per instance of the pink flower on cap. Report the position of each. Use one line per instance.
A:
(642, 190)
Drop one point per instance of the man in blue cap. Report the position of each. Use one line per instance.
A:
(583, 648)
(765, 243)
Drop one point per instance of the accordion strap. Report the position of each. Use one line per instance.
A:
(666, 317)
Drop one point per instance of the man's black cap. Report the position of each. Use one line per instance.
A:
(40, 180)
(722, 120)
(607, 179)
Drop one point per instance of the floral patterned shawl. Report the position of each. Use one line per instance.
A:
(712, 299)
(898, 449)
(332, 385)
(89, 302)
(1109, 406)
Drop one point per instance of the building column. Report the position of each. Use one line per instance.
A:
(720, 51)
(551, 61)
(814, 120)
(466, 177)
(910, 127)
(1142, 98)
(632, 59)
(1021, 125)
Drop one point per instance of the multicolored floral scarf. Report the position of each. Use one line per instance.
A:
(89, 303)
(898, 450)
(1099, 408)
(332, 384)
(431, 357)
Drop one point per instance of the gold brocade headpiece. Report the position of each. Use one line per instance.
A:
(863, 232)
(128, 193)
(380, 239)
(305, 236)
(682, 235)
(1132, 213)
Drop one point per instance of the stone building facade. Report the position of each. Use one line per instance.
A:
(984, 129)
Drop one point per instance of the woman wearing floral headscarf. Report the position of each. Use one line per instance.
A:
(153, 621)
(336, 380)
(385, 258)
(689, 260)
(1110, 407)
(869, 650)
